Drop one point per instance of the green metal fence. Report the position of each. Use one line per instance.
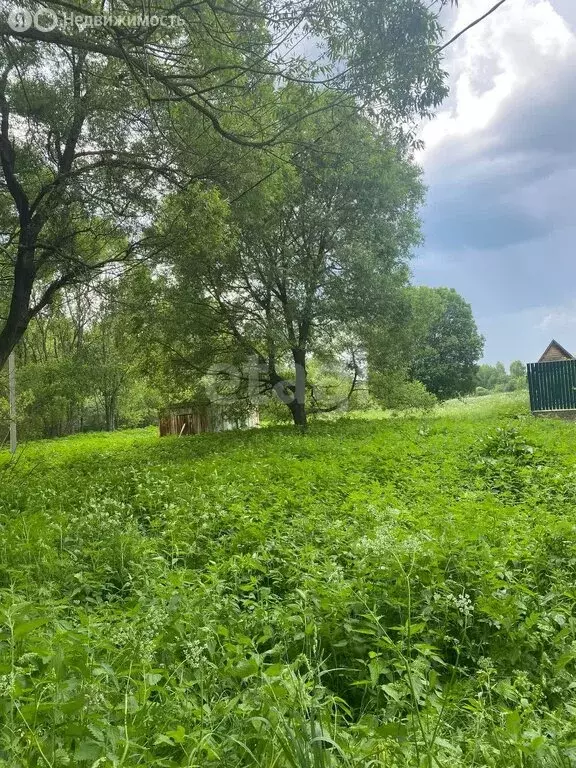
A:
(552, 386)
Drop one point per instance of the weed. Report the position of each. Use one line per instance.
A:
(374, 594)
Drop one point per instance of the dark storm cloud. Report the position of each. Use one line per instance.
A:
(543, 116)
(474, 197)
(500, 221)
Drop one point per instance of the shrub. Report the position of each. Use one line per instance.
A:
(393, 390)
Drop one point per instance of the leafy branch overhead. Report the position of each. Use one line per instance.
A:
(295, 120)
(381, 55)
(100, 123)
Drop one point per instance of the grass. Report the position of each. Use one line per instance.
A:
(385, 592)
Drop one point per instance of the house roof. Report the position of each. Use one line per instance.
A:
(559, 347)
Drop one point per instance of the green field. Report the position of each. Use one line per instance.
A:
(377, 592)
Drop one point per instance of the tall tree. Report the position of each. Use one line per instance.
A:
(303, 263)
(51, 367)
(80, 365)
(70, 198)
(97, 122)
(517, 369)
(203, 52)
(446, 342)
(494, 377)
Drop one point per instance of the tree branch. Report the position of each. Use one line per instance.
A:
(472, 24)
(7, 156)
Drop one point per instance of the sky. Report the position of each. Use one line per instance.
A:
(500, 166)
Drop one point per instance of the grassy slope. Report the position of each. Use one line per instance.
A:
(378, 592)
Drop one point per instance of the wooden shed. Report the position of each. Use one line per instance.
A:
(194, 418)
(552, 383)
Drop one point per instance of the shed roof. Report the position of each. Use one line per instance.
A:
(555, 346)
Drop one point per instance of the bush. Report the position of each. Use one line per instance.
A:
(273, 411)
(393, 390)
(506, 386)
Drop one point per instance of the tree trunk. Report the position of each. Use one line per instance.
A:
(298, 404)
(110, 408)
(109, 418)
(298, 411)
(19, 312)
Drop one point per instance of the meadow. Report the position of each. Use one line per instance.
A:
(377, 592)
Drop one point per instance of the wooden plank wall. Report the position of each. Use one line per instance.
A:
(183, 421)
(174, 423)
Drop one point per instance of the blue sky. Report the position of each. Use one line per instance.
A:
(500, 165)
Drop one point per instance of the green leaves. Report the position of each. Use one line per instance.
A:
(291, 275)
(446, 344)
(358, 596)
(245, 668)
(24, 628)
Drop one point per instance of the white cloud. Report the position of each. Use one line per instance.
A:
(558, 319)
(514, 47)
(500, 163)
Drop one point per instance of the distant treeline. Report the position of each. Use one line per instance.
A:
(495, 378)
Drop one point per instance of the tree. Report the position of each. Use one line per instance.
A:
(446, 344)
(102, 116)
(50, 367)
(70, 199)
(495, 378)
(517, 369)
(491, 376)
(80, 366)
(111, 359)
(302, 265)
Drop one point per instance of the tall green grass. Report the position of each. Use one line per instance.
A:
(394, 592)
